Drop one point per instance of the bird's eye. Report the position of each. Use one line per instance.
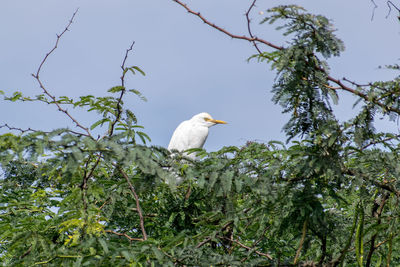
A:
(206, 119)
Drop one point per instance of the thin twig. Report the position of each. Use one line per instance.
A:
(249, 27)
(374, 142)
(26, 253)
(389, 4)
(248, 248)
(139, 210)
(119, 108)
(373, 11)
(11, 128)
(22, 131)
(207, 239)
(125, 235)
(234, 36)
(103, 205)
(41, 85)
(87, 176)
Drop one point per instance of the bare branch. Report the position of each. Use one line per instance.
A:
(390, 5)
(234, 36)
(22, 131)
(119, 108)
(41, 85)
(249, 27)
(373, 11)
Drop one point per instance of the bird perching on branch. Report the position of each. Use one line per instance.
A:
(192, 133)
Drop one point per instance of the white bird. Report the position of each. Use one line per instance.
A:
(192, 133)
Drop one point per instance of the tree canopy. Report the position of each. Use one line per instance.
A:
(327, 197)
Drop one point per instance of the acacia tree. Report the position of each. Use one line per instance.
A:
(330, 198)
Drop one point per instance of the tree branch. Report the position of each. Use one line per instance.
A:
(234, 36)
(390, 4)
(125, 235)
(139, 210)
(22, 131)
(41, 85)
(206, 240)
(249, 27)
(119, 108)
(253, 39)
(362, 95)
(26, 253)
(303, 236)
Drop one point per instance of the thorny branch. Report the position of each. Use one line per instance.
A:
(41, 85)
(139, 210)
(339, 82)
(119, 108)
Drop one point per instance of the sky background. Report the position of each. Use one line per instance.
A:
(190, 67)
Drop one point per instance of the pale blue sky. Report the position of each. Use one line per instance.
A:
(190, 67)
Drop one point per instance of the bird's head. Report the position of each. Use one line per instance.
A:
(205, 119)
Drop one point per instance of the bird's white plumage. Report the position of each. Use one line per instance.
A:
(192, 133)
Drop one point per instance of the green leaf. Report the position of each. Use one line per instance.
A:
(133, 68)
(159, 255)
(116, 89)
(16, 96)
(99, 122)
(139, 94)
(104, 245)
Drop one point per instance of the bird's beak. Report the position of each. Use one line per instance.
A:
(216, 121)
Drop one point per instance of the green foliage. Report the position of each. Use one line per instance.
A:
(328, 199)
(301, 70)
